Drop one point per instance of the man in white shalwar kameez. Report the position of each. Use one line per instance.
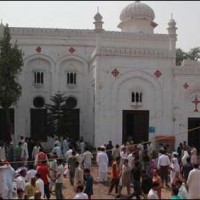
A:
(193, 183)
(103, 165)
(35, 151)
(193, 155)
(25, 153)
(87, 159)
(65, 145)
(3, 182)
(184, 158)
(10, 175)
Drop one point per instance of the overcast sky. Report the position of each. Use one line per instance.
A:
(79, 15)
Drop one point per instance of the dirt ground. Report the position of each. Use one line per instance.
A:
(100, 190)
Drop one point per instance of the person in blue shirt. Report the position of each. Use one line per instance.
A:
(88, 183)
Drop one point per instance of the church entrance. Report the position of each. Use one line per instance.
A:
(135, 125)
(38, 124)
(72, 124)
(194, 136)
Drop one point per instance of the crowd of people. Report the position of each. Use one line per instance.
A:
(28, 172)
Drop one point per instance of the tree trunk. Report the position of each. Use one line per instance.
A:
(7, 133)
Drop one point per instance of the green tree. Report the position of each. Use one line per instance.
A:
(193, 54)
(11, 62)
(57, 118)
(180, 56)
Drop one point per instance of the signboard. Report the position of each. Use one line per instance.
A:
(152, 129)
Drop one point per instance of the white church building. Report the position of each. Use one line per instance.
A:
(120, 84)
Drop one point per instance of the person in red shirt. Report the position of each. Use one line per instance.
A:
(115, 175)
(44, 172)
(41, 156)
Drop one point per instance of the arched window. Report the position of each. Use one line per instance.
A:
(38, 77)
(136, 97)
(71, 78)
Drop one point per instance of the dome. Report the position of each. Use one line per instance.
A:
(98, 17)
(172, 22)
(137, 10)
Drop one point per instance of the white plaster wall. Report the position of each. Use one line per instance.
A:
(183, 101)
(101, 97)
(113, 95)
(136, 26)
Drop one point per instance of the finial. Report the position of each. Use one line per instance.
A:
(171, 15)
(97, 9)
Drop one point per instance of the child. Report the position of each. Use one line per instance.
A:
(88, 183)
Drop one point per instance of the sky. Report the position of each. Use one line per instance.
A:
(80, 15)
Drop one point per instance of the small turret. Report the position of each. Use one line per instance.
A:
(98, 22)
(172, 33)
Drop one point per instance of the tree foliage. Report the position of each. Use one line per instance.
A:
(193, 54)
(57, 117)
(11, 62)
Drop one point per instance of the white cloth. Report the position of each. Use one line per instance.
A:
(81, 195)
(152, 194)
(40, 186)
(60, 171)
(57, 150)
(3, 182)
(163, 160)
(31, 173)
(193, 184)
(97, 156)
(25, 154)
(79, 157)
(35, 151)
(68, 154)
(183, 192)
(58, 143)
(130, 160)
(123, 155)
(10, 175)
(20, 183)
(87, 159)
(185, 156)
(78, 177)
(65, 146)
(103, 166)
(82, 147)
(175, 169)
(193, 155)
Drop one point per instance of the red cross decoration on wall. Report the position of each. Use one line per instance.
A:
(38, 49)
(196, 102)
(71, 50)
(157, 73)
(115, 72)
(185, 85)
